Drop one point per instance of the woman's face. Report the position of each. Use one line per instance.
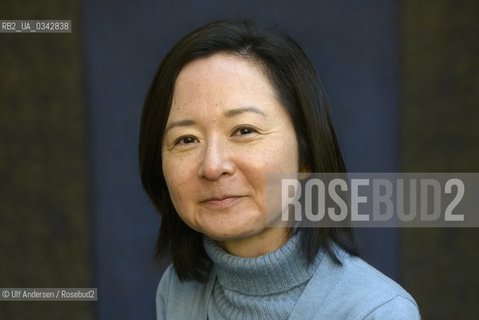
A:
(226, 132)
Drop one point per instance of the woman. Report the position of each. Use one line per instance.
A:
(232, 103)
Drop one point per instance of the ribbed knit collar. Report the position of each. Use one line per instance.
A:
(274, 272)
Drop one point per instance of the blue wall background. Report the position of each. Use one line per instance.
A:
(353, 45)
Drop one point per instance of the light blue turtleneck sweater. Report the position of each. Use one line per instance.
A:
(280, 285)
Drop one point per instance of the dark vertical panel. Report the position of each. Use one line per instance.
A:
(439, 112)
(118, 36)
(352, 45)
(44, 231)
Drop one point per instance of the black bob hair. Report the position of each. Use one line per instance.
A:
(300, 92)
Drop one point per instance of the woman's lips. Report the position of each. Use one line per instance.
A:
(221, 202)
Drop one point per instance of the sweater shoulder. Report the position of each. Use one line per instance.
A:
(368, 279)
(363, 292)
(176, 299)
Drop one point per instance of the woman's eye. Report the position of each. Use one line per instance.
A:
(244, 131)
(186, 140)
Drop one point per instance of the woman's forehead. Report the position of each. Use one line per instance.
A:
(218, 66)
(221, 80)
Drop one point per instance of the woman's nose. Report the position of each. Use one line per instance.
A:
(216, 161)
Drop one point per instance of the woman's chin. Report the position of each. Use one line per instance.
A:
(231, 227)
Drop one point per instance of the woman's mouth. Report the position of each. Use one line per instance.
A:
(222, 201)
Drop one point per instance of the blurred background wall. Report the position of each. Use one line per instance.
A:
(440, 133)
(45, 225)
(402, 77)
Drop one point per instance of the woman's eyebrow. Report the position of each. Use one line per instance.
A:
(237, 111)
(179, 123)
(230, 113)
